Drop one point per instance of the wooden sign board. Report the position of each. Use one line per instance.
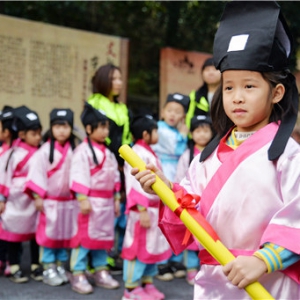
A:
(180, 72)
(44, 66)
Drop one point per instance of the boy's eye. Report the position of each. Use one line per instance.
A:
(249, 86)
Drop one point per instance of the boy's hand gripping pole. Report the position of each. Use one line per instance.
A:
(213, 246)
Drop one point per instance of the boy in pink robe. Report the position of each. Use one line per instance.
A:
(144, 244)
(19, 215)
(95, 179)
(48, 183)
(248, 177)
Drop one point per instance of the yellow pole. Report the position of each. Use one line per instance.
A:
(215, 248)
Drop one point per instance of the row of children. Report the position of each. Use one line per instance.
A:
(39, 187)
(48, 180)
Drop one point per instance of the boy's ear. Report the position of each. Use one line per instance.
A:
(88, 129)
(278, 93)
(21, 135)
(145, 135)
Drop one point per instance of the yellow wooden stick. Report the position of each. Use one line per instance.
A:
(215, 248)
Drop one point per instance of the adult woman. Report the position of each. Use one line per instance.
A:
(106, 86)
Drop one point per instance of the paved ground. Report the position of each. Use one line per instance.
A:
(177, 289)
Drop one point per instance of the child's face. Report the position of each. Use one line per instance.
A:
(151, 139)
(173, 113)
(211, 75)
(100, 133)
(116, 82)
(31, 137)
(248, 99)
(202, 135)
(61, 132)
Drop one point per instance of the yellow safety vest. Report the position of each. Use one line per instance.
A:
(116, 112)
(201, 105)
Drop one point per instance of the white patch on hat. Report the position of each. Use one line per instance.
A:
(177, 97)
(238, 42)
(61, 113)
(149, 117)
(7, 114)
(200, 117)
(102, 112)
(31, 116)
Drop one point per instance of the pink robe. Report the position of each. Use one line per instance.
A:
(147, 245)
(249, 201)
(96, 229)
(57, 224)
(4, 154)
(19, 218)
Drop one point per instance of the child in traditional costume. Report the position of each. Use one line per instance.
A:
(7, 136)
(201, 134)
(96, 181)
(172, 142)
(248, 177)
(19, 216)
(48, 183)
(144, 244)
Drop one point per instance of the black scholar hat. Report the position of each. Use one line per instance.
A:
(254, 36)
(62, 114)
(91, 115)
(184, 100)
(25, 119)
(6, 113)
(200, 119)
(141, 123)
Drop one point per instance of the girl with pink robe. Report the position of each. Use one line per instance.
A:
(48, 183)
(248, 177)
(144, 244)
(7, 137)
(19, 216)
(95, 179)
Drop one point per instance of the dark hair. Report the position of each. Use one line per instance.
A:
(7, 124)
(222, 123)
(102, 80)
(94, 125)
(208, 62)
(191, 144)
(48, 135)
(33, 128)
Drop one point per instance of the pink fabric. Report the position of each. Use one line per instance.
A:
(19, 217)
(64, 152)
(83, 236)
(216, 183)
(30, 187)
(257, 195)
(148, 245)
(79, 188)
(15, 236)
(58, 223)
(95, 230)
(184, 163)
(3, 148)
(101, 194)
